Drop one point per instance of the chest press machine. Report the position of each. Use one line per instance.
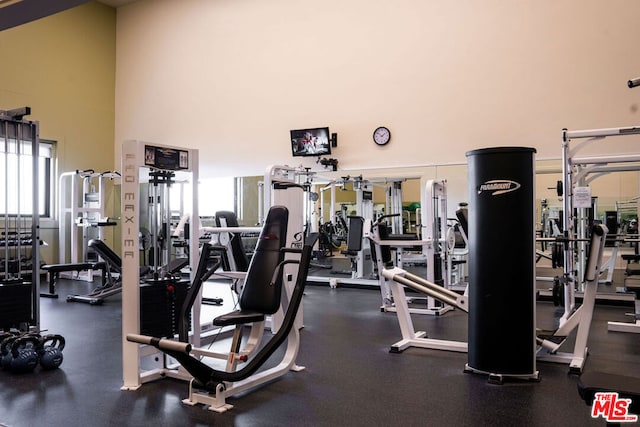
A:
(261, 296)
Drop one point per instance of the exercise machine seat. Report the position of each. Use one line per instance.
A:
(387, 259)
(462, 213)
(627, 387)
(207, 378)
(354, 236)
(261, 292)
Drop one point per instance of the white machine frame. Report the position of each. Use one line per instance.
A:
(433, 241)
(579, 318)
(77, 214)
(398, 279)
(133, 160)
(574, 171)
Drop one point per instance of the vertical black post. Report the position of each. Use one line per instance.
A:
(502, 262)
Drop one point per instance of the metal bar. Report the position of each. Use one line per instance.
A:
(594, 133)
(599, 160)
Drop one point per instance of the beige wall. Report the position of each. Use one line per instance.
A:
(232, 77)
(63, 67)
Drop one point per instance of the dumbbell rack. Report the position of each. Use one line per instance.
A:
(19, 221)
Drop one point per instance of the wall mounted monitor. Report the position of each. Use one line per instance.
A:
(310, 142)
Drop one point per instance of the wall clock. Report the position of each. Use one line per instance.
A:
(381, 135)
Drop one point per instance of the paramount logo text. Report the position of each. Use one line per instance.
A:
(499, 186)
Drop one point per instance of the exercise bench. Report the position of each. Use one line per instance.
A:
(631, 285)
(54, 271)
(627, 387)
(110, 285)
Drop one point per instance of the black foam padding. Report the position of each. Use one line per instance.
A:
(237, 248)
(627, 387)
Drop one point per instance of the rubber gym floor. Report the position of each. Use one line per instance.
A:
(350, 377)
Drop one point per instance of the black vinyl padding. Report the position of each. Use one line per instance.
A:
(383, 233)
(591, 383)
(58, 268)
(106, 253)
(462, 214)
(259, 295)
(207, 378)
(237, 248)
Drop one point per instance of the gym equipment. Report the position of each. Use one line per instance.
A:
(354, 243)
(627, 387)
(226, 238)
(54, 271)
(238, 261)
(577, 172)
(631, 284)
(433, 243)
(399, 278)
(24, 352)
(211, 386)
(82, 217)
(550, 343)
(5, 349)
(20, 230)
(282, 188)
(139, 158)
(50, 351)
(110, 285)
(502, 284)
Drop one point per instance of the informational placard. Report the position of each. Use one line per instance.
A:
(582, 197)
(166, 158)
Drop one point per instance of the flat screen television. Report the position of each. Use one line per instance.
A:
(310, 142)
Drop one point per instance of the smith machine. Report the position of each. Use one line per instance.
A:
(577, 173)
(20, 235)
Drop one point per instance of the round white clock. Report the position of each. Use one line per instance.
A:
(381, 135)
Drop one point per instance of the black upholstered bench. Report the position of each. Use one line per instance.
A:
(627, 387)
(54, 271)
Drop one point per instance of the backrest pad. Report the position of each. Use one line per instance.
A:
(258, 293)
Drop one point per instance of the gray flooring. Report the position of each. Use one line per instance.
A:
(350, 377)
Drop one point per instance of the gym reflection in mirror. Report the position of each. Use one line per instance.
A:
(334, 197)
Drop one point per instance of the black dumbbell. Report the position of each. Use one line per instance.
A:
(51, 351)
(25, 354)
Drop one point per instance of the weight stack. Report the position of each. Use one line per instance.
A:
(160, 304)
(502, 263)
(15, 304)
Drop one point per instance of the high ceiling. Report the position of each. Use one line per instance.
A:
(116, 3)
(18, 12)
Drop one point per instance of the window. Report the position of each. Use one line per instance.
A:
(216, 194)
(17, 171)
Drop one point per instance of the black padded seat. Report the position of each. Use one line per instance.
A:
(591, 383)
(238, 317)
(262, 291)
(58, 268)
(54, 271)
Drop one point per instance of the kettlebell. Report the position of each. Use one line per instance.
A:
(25, 354)
(5, 351)
(51, 351)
